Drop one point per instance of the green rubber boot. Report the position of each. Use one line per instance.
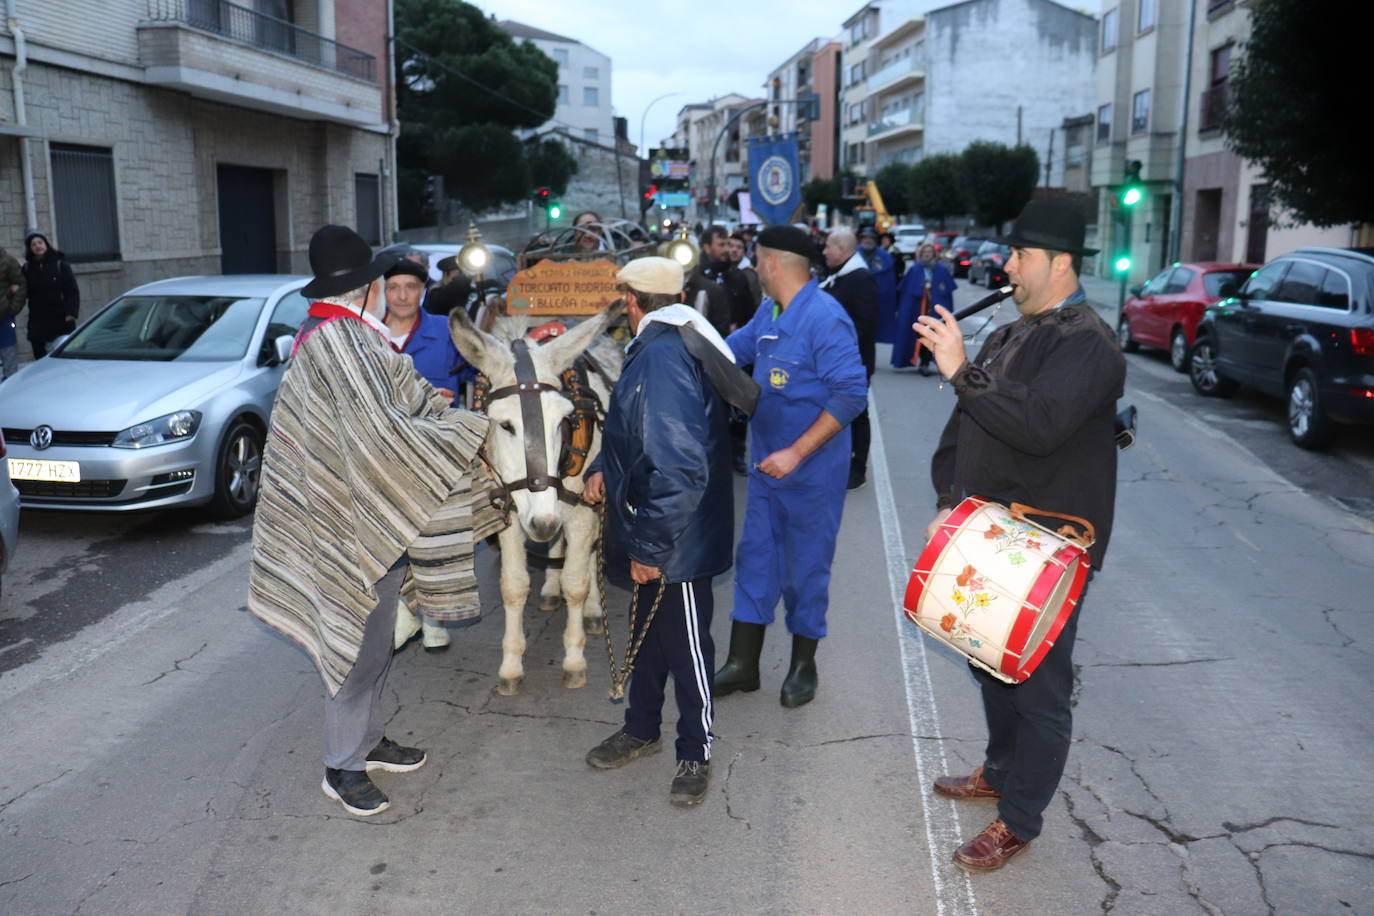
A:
(741, 668)
(799, 687)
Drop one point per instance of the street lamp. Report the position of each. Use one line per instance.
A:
(667, 95)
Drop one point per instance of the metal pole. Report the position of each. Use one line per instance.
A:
(716, 146)
(1125, 274)
(667, 95)
(1180, 163)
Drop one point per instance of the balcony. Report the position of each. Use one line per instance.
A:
(898, 123)
(1213, 107)
(228, 53)
(898, 75)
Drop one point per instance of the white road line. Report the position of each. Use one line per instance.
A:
(924, 718)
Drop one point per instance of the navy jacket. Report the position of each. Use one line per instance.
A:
(436, 358)
(665, 454)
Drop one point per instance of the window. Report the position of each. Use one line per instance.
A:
(560, 56)
(1073, 155)
(562, 94)
(591, 96)
(1214, 281)
(592, 134)
(1335, 292)
(1214, 97)
(1300, 284)
(1179, 280)
(367, 207)
(83, 192)
(1221, 64)
(1146, 16)
(1264, 281)
(1109, 31)
(1104, 123)
(591, 73)
(1140, 112)
(1157, 285)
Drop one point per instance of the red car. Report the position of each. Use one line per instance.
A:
(1164, 312)
(941, 240)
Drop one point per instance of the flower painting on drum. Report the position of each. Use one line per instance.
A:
(970, 593)
(1016, 537)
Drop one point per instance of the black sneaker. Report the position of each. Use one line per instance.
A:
(355, 791)
(690, 783)
(620, 749)
(395, 758)
(856, 480)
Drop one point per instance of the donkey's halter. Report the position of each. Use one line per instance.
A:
(577, 428)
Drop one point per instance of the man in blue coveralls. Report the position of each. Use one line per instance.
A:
(806, 360)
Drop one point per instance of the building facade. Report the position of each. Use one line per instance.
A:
(153, 138)
(811, 73)
(584, 83)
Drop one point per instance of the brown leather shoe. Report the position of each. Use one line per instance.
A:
(965, 788)
(989, 850)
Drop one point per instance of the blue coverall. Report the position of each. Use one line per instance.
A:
(432, 350)
(806, 360)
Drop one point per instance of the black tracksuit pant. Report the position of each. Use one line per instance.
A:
(1030, 726)
(678, 643)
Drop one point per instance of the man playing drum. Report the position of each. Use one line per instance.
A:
(1034, 424)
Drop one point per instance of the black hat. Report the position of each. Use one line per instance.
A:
(1057, 225)
(787, 238)
(444, 265)
(342, 261)
(407, 266)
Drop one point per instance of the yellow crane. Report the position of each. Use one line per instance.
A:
(871, 211)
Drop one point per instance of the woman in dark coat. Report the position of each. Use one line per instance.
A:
(54, 300)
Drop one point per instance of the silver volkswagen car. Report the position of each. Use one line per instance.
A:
(159, 399)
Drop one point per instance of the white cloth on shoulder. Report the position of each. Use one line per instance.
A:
(679, 314)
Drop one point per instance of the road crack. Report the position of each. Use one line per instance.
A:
(176, 665)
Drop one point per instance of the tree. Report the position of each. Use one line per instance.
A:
(463, 87)
(893, 182)
(1295, 100)
(935, 188)
(829, 191)
(999, 180)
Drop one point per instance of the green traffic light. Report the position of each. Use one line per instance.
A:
(1131, 197)
(1123, 264)
(555, 211)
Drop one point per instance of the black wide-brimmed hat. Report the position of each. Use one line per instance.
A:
(342, 261)
(1057, 225)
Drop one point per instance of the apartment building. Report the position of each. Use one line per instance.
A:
(941, 77)
(716, 135)
(812, 72)
(151, 138)
(584, 83)
(1226, 210)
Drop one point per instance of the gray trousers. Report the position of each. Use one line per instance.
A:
(352, 721)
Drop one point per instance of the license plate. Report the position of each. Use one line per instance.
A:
(32, 469)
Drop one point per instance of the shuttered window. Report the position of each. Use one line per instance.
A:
(367, 205)
(84, 202)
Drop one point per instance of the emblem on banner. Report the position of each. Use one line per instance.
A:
(775, 180)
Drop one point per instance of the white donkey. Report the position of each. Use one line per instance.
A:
(527, 463)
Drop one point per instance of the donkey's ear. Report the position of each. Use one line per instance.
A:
(563, 351)
(491, 356)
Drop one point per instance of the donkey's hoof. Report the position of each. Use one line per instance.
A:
(550, 603)
(592, 626)
(508, 686)
(574, 680)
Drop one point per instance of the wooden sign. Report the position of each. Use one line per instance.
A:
(563, 288)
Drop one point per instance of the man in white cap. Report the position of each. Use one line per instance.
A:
(664, 471)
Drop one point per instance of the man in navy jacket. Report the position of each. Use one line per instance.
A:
(665, 473)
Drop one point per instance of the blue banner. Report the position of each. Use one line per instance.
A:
(774, 178)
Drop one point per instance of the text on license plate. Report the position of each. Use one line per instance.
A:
(33, 469)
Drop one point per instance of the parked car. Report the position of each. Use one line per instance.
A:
(9, 514)
(989, 265)
(960, 254)
(1164, 312)
(941, 241)
(1301, 328)
(907, 237)
(159, 399)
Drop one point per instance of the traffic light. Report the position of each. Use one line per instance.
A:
(1122, 264)
(433, 197)
(555, 211)
(544, 198)
(1132, 192)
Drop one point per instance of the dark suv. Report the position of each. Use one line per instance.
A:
(1302, 328)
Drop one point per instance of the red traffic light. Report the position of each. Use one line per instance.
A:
(542, 194)
(650, 192)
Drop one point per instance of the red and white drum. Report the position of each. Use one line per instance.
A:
(997, 587)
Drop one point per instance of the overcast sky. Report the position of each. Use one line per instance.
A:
(700, 50)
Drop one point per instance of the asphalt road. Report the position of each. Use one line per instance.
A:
(161, 750)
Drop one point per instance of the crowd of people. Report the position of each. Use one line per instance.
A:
(791, 351)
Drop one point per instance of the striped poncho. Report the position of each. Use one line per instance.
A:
(364, 461)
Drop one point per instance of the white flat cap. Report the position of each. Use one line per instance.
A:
(652, 275)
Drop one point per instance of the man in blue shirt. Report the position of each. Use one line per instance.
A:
(806, 361)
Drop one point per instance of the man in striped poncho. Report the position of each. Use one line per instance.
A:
(371, 489)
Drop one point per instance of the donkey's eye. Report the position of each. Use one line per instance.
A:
(506, 425)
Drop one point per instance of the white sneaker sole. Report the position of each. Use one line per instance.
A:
(396, 767)
(360, 812)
